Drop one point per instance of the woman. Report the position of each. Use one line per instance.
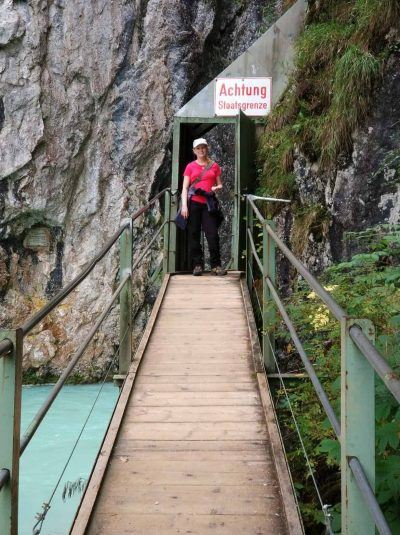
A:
(203, 174)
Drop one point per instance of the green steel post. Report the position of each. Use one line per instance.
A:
(249, 254)
(268, 339)
(172, 234)
(125, 301)
(357, 428)
(10, 422)
(235, 234)
(174, 198)
(167, 215)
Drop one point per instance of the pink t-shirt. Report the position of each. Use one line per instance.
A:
(208, 180)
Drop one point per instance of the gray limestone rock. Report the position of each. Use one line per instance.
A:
(364, 189)
(88, 91)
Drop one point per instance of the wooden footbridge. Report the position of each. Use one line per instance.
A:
(193, 446)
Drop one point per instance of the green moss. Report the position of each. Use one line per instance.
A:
(319, 44)
(375, 19)
(277, 152)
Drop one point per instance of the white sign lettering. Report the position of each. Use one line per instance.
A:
(251, 95)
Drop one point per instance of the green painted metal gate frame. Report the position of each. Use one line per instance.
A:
(244, 175)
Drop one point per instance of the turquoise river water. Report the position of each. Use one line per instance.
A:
(46, 455)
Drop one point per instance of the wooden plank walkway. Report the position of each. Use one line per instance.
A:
(193, 453)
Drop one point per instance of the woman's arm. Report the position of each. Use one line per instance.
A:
(184, 196)
(219, 184)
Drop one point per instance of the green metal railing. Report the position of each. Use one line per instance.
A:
(11, 353)
(359, 362)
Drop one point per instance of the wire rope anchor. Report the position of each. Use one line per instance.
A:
(328, 519)
(40, 517)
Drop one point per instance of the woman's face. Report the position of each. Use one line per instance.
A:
(201, 151)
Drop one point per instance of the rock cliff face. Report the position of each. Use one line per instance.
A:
(360, 192)
(88, 90)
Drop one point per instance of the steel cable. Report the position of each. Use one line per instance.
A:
(36, 530)
(324, 507)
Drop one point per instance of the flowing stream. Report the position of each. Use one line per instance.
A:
(44, 458)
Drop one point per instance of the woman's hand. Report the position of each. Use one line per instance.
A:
(185, 212)
(216, 188)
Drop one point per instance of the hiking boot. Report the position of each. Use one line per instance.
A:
(218, 271)
(198, 270)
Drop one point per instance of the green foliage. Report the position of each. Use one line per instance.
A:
(339, 59)
(368, 286)
(312, 218)
(375, 20)
(319, 44)
(354, 79)
(278, 151)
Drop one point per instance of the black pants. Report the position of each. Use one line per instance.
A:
(200, 218)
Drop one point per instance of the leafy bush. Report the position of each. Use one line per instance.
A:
(368, 286)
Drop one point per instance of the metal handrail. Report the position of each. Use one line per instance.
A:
(257, 212)
(146, 249)
(369, 496)
(307, 364)
(254, 251)
(336, 310)
(28, 435)
(373, 356)
(381, 367)
(6, 345)
(43, 312)
(267, 199)
(151, 202)
(64, 293)
(376, 360)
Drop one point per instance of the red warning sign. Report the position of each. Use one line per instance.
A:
(251, 95)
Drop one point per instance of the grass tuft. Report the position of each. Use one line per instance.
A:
(355, 78)
(312, 219)
(376, 19)
(320, 44)
(277, 153)
(339, 61)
